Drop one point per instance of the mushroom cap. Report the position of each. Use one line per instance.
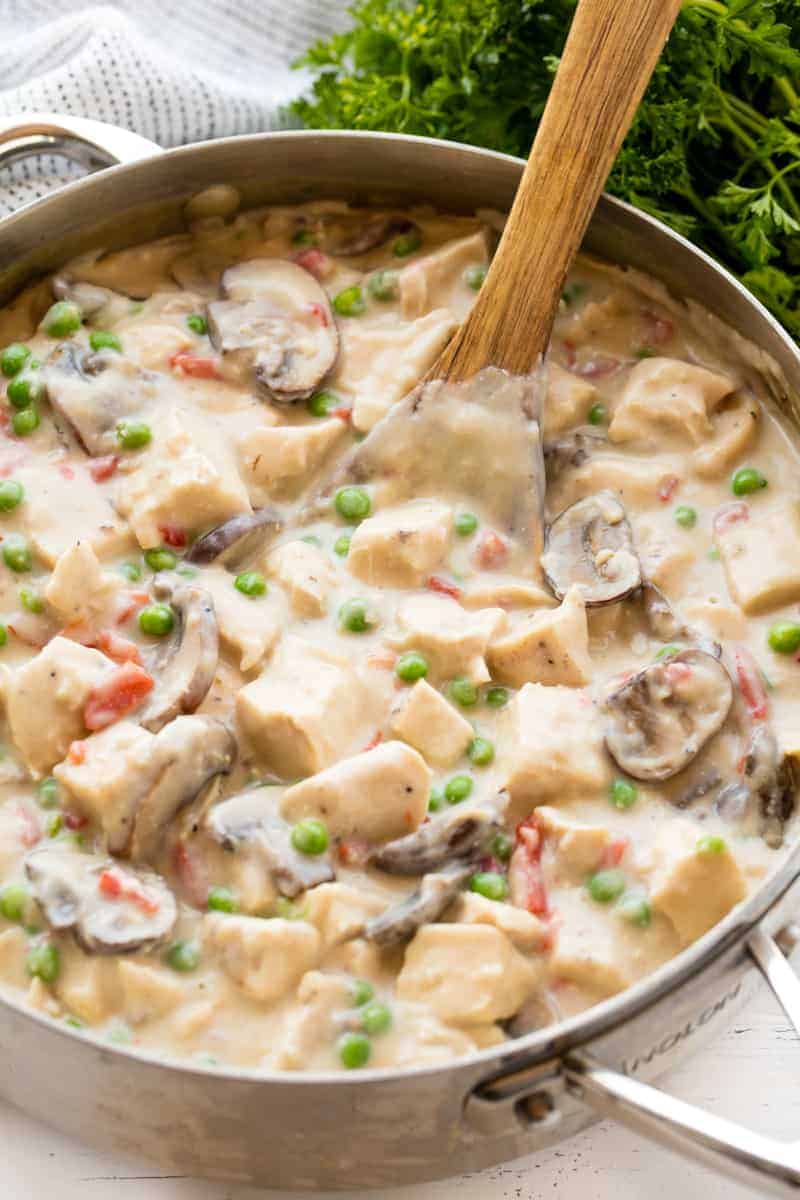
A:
(236, 538)
(93, 392)
(590, 545)
(660, 719)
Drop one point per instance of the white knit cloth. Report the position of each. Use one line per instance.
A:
(175, 71)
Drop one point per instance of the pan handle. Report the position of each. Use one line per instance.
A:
(771, 1166)
(92, 144)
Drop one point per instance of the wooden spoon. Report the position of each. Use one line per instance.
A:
(610, 54)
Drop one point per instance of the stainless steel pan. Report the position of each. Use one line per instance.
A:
(392, 1127)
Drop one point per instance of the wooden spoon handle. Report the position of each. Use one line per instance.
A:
(611, 52)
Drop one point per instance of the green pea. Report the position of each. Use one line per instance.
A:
(311, 539)
(636, 910)
(463, 691)
(342, 545)
(435, 799)
(21, 391)
(622, 794)
(48, 792)
(502, 846)
(480, 751)
(221, 899)
(362, 992)
(157, 620)
(197, 323)
(710, 845)
(13, 359)
(14, 901)
(497, 697)
(30, 600)
(354, 1050)
(490, 884)
(288, 910)
(669, 650)
(310, 836)
(44, 962)
(605, 886)
(303, 237)
(159, 558)
(133, 435)
(747, 480)
(685, 516)
(597, 414)
(352, 503)
(3, 635)
(406, 244)
(474, 277)
(186, 571)
(131, 571)
(11, 494)
(250, 583)
(120, 1033)
(376, 1017)
(573, 292)
(62, 319)
(321, 404)
(350, 302)
(411, 666)
(25, 422)
(53, 825)
(354, 616)
(784, 637)
(465, 524)
(73, 1021)
(16, 553)
(458, 788)
(184, 956)
(101, 339)
(384, 285)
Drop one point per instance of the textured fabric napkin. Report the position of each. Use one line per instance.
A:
(174, 71)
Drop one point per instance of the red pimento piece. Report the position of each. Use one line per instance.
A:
(570, 357)
(526, 866)
(77, 753)
(75, 821)
(197, 365)
(751, 684)
(353, 852)
(730, 514)
(145, 903)
(314, 261)
(615, 852)
(343, 413)
(173, 535)
(444, 587)
(319, 313)
(129, 603)
(109, 885)
(677, 672)
(491, 551)
(103, 468)
(118, 694)
(659, 329)
(66, 471)
(31, 829)
(121, 649)
(598, 367)
(374, 741)
(667, 488)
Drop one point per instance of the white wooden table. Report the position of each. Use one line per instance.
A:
(750, 1075)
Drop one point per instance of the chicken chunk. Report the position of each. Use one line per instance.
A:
(45, 700)
(550, 647)
(665, 394)
(525, 930)
(306, 574)
(89, 986)
(431, 725)
(761, 558)
(735, 429)
(304, 710)
(590, 950)
(249, 626)
(340, 911)
(312, 1023)
(555, 748)
(79, 589)
(567, 402)
(147, 992)
(266, 959)
(379, 794)
(276, 459)
(57, 504)
(577, 847)
(453, 640)
(401, 545)
(691, 886)
(633, 481)
(435, 281)
(467, 974)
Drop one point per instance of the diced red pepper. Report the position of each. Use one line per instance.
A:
(173, 535)
(66, 471)
(374, 741)
(110, 885)
(343, 413)
(319, 313)
(145, 903)
(600, 366)
(659, 328)
(444, 587)
(74, 820)
(730, 514)
(120, 649)
(677, 672)
(31, 829)
(103, 468)
(118, 694)
(491, 551)
(615, 852)
(526, 865)
(197, 365)
(314, 261)
(570, 357)
(77, 753)
(667, 488)
(751, 684)
(353, 852)
(191, 873)
(130, 602)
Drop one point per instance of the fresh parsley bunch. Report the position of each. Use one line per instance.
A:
(715, 147)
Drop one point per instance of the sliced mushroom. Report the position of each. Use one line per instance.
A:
(111, 909)
(708, 782)
(275, 319)
(188, 663)
(660, 719)
(568, 452)
(590, 544)
(363, 236)
(252, 818)
(399, 922)
(91, 299)
(457, 836)
(93, 392)
(766, 792)
(237, 538)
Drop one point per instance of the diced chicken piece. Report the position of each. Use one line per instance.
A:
(13, 953)
(266, 959)
(453, 640)
(186, 479)
(45, 700)
(467, 974)
(147, 992)
(590, 951)
(57, 504)
(719, 621)
(665, 561)
(249, 626)
(339, 911)
(555, 748)
(312, 1022)
(304, 710)
(549, 647)
(401, 545)
(667, 394)
(694, 890)
(381, 362)
(277, 459)
(79, 589)
(88, 986)
(436, 280)
(735, 429)
(431, 725)
(525, 930)
(506, 593)
(634, 482)
(761, 557)
(577, 848)
(306, 574)
(379, 794)
(567, 401)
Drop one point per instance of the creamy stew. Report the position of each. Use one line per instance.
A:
(321, 752)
